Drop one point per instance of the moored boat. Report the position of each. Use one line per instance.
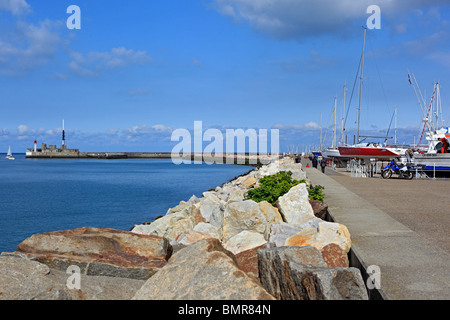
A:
(437, 157)
(369, 151)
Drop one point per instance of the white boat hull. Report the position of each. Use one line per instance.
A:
(433, 161)
(332, 153)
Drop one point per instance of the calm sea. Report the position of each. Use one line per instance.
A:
(43, 195)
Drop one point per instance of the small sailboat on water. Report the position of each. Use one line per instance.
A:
(9, 155)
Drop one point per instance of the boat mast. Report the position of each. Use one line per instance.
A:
(360, 84)
(395, 126)
(334, 126)
(341, 142)
(320, 131)
(438, 108)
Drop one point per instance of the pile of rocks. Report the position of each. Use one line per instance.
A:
(219, 246)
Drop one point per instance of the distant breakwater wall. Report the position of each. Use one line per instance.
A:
(230, 158)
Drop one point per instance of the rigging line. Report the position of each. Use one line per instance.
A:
(387, 134)
(323, 141)
(379, 77)
(353, 90)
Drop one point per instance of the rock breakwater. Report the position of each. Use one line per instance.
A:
(217, 247)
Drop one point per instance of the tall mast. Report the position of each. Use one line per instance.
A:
(334, 125)
(438, 108)
(341, 142)
(395, 126)
(320, 131)
(360, 84)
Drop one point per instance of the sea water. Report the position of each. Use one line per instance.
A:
(44, 195)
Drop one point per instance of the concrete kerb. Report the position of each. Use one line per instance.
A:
(411, 267)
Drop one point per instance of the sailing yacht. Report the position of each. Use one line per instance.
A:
(9, 155)
(332, 152)
(366, 150)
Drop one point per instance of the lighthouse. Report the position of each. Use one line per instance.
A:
(63, 136)
(35, 146)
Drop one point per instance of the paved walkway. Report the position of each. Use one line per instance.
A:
(412, 266)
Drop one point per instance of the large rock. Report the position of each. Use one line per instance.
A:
(244, 240)
(320, 208)
(208, 228)
(168, 226)
(202, 271)
(241, 216)
(249, 182)
(24, 279)
(335, 256)
(295, 206)
(185, 207)
(191, 236)
(280, 232)
(99, 251)
(285, 164)
(236, 194)
(211, 209)
(271, 214)
(301, 274)
(248, 260)
(326, 233)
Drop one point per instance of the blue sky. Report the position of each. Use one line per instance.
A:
(137, 70)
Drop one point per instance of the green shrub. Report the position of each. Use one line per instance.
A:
(274, 186)
(316, 193)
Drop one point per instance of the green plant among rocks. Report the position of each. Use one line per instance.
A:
(274, 186)
(316, 193)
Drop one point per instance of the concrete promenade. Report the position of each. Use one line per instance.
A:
(412, 265)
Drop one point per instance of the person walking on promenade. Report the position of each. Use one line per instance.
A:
(314, 162)
(323, 164)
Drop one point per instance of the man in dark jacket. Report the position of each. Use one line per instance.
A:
(314, 162)
(323, 164)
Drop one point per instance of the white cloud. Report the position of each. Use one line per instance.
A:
(17, 7)
(30, 46)
(425, 44)
(91, 63)
(161, 128)
(22, 129)
(289, 19)
(311, 125)
(78, 69)
(26, 46)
